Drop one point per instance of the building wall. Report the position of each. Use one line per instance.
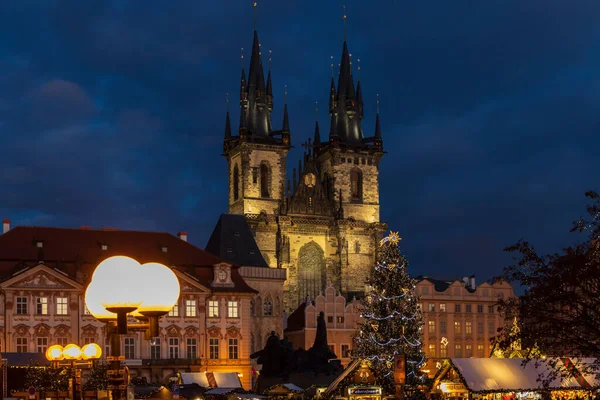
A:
(471, 319)
(38, 331)
(341, 318)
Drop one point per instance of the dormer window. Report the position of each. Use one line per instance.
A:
(236, 234)
(104, 247)
(164, 249)
(229, 250)
(39, 244)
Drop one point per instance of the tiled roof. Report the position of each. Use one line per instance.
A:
(233, 241)
(71, 250)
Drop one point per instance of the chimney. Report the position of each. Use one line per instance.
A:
(472, 282)
(5, 225)
(182, 236)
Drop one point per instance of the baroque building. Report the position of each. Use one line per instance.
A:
(322, 225)
(460, 318)
(44, 273)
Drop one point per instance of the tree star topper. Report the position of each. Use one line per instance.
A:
(393, 238)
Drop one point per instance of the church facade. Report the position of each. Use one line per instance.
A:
(322, 225)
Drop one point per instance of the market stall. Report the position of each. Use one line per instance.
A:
(499, 379)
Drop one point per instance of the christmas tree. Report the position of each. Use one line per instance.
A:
(392, 321)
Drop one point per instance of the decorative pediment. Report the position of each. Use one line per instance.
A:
(214, 332)
(188, 283)
(191, 331)
(233, 332)
(41, 330)
(173, 330)
(21, 330)
(62, 331)
(222, 275)
(41, 277)
(89, 330)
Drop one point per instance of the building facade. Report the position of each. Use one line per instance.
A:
(44, 273)
(322, 225)
(460, 318)
(342, 319)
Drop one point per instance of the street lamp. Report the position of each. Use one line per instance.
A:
(75, 357)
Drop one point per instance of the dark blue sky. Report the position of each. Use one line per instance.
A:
(112, 113)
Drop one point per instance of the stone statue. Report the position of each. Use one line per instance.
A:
(272, 357)
(321, 336)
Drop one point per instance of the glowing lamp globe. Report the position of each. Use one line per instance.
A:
(91, 351)
(54, 353)
(71, 352)
(93, 296)
(161, 292)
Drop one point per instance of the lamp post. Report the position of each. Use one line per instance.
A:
(75, 357)
(121, 286)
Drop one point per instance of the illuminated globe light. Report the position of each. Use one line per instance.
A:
(54, 353)
(117, 279)
(93, 296)
(160, 293)
(91, 351)
(71, 352)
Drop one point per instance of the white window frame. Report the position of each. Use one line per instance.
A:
(190, 308)
(232, 309)
(173, 348)
(213, 308)
(62, 306)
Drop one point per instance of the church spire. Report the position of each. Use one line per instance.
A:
(286, 120)
(227, 122)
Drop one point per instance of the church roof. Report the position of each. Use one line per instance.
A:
(80, 250)
(233, 241)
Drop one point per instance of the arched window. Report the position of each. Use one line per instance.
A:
(356, 183)
(236, 182)
(264, 180)
(268, 307)
(311, 271)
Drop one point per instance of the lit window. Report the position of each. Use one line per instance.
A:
(22, 345)
(129, 345)
(468, 350)
(42, 344)
(458, 351)
(213, 346)
(232, 309)
(173, 347)
(42, 306)
(457, 327)
(431, 326)
(174, 312)
(191, 349)
(431, 307)
(21, 305)
(480, 350)
(155, 349)
(468, 328)
(233, 349)
(61, 306)
(213, 308)
(442, 307)
(190, 308)
(432, 350)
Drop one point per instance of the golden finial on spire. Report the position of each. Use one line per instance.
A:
(284, 94)
(350, 56)
(377, 103)
(344, 18)
(331, 60)
(358, 67)
(317, 110)
(255, 4)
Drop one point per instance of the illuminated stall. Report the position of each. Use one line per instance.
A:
(499, 379)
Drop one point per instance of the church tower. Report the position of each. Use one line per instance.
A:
(257, 154)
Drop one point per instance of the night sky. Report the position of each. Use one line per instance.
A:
(112, 113)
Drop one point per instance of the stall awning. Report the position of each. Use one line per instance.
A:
(229, 380)
(507, 374)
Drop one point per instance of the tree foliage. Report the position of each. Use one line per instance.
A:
(560, 309)
(46, 379)
(98, 377)
(392, 321)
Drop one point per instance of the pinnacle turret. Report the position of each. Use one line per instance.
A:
(227, 126)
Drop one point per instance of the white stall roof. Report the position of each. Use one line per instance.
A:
(227, 380)
(195, 377)
(590, 370)
(483, 374)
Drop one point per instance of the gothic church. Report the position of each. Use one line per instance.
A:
(322, 225)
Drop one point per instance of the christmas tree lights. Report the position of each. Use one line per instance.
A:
(392, 321)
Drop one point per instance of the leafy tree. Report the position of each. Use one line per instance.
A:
(560, 309)
(46, 379)
(392, 321)
(98, 377)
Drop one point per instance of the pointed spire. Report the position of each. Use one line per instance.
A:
(359, 101)
(377, 125)
(344, 17)
(227, 122)
(317, 137)
(286, 120)
(269, 84)
(294, 180)
(243, 125)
